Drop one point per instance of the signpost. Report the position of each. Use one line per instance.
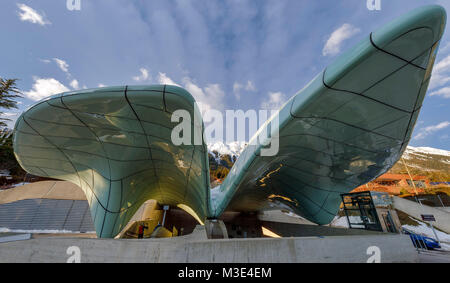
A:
(430, 218)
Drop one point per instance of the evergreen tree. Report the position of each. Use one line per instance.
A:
(8, 95)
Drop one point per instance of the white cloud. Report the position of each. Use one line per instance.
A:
(193, 88)
(214, 93)
(438, 81)
(28, 14)
(441, 74)
(204, 97)
(237, 87)
(165, 80)
(46, 61)
(74, 84)
(442, 65)
(62, 65)
(440, 78)
(143, 76)
(211, 93)
(274, 101)
(45, 87)
(237, 90)
(444, 92)
(250, 86)
(333, 44)
(423, 132)
(101, 85)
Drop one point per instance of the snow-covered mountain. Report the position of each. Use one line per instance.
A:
(222, 156)
(427, 161)
(233, 148)
(226, 151)
(425, 151)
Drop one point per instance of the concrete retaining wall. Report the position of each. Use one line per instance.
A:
(446, 209)
(394, 248)
(43, 190)
(415, 210)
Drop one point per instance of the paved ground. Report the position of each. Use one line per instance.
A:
(434, 257)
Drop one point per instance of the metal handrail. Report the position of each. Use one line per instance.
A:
(417, 239)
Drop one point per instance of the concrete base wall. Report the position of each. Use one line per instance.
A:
(187, 249)
(446, 209)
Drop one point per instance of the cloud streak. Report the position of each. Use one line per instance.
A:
(165, 80)
(334, 43)
(424, 132)
(444, 92)
(62, 65)
(144, 76)
(28, 14)
(237, 87)
(441, 74)
(45, 87)
(75, 84)
(209, 97)
(274, 101)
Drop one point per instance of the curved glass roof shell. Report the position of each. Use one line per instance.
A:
(115, 143)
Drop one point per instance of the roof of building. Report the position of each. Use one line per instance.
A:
(394, 177)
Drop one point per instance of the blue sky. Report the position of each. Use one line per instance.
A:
(229, 54)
